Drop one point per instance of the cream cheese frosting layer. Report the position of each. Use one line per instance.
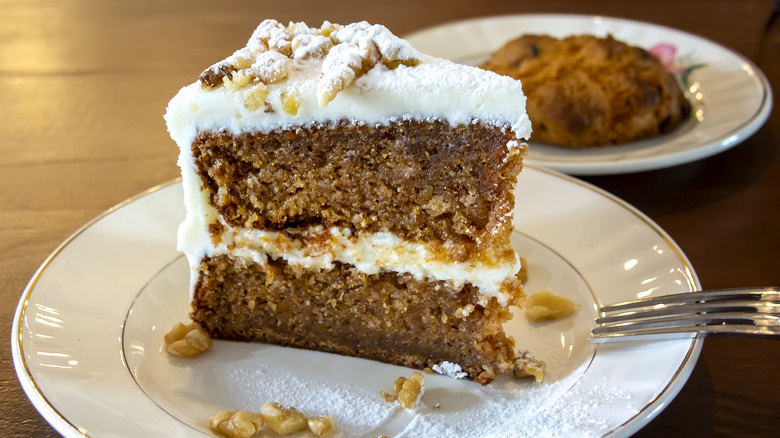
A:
(319, 248)
(369, 253)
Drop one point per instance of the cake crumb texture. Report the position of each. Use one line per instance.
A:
(423, 181)
(387, 317)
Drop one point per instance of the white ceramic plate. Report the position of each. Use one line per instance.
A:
(87, 336)
(731, 97)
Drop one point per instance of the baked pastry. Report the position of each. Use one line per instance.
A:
(348, 194)
(589, 91)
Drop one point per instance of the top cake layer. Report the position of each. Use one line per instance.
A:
(295, 75)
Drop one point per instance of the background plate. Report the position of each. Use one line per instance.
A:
(731, 97)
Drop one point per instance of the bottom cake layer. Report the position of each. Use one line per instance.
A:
(387, 317)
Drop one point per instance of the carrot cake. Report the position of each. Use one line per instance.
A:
(348, 194)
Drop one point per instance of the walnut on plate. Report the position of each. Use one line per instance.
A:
(546, 306)
(236, 424)
(409, 391)
(282, 419)
(188, 340)
(526, 365)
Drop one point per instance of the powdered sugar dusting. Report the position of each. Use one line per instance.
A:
(355, 410)
(270, 66)
(450, 369)
(508, 407)
(536, 410)
(389, 45)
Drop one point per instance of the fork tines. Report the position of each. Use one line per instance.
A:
(746, 311)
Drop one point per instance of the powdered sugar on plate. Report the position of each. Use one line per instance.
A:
(355, 410)
(533, 410)
(450, 369)
(508, 407)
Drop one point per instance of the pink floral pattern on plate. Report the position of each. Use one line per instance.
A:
(681, 66)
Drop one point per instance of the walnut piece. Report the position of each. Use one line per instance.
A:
(212, 77)
(345, 63)
(236, 424)
(321, 426)
(270, 67)
(235, 82)
(311, 46)
(522, 274)
(282, 419)
(546, 306)
(187, 340)
(328, 28)
(409, 390)
(462, 312)
(528, 366)
(254, 97)
(347, 53)
(291, 101)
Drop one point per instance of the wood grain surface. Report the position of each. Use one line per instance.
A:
(84, 84)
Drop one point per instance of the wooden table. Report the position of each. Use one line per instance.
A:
(84, 83)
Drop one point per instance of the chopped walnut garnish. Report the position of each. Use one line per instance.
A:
(522, 274)
(274, 35)
(241, 59)
(291, 101)
(545, 306)
(283, 420)
(212, 77)
(321, 426)
(387, 396)
(328, 28)
(526, 365)
(236, 424)
(398, 384)
(187, 340)
(347, 52)
(462, 312)
(254, 97)
(311, 46)
(235, 82)
(270, 67)
(409, 390)
(344, 63)
(394, 64)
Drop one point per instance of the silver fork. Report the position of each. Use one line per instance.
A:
(744, 311)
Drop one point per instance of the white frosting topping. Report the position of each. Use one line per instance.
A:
(434, 89)
(360, 73)
(337, 66)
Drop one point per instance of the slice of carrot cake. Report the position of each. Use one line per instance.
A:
(348, 194)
